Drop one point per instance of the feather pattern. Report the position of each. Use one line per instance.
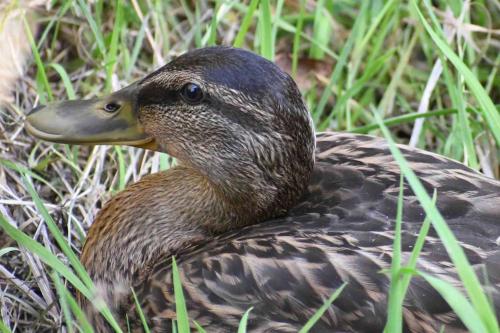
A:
(340, 231)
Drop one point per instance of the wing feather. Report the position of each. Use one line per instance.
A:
(341, 231)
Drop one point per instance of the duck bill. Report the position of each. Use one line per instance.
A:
(111, 120)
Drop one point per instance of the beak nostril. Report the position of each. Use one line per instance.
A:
(38, 108)
(111, 107)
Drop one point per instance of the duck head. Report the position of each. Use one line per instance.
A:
(231, 115)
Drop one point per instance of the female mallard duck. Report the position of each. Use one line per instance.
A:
(261, 212)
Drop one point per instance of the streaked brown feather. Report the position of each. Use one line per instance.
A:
(340, 231)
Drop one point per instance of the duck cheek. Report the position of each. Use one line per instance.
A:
(173, 150)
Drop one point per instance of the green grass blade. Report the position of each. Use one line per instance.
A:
(266, 40)
(242, 327)
(406, 118)
(245, 24)
(38, 60)
(394, 308)
(322, 31)
(368, 74)
(83, 283)
(287, 27)
(78, 312)
(317, 315)
(388, 8)
(211, 35)
(198, 327)
(111, 55)
(464, 131)
(23, 170)
(296, 38)
(50, 259)
(54, 21)
(455, 251)
(93, 26)
(342, 61)
(187, 11)
(164, 162)
(458, 302)
(417, 249)
(180, 302)
(140, 312)
(136, 49)
(275, 26)
(387, 102)
(3, 327)
(489, 111)
(401, 280)
(44, 254)
(73, 259)
(68, 319)
(197, 27)
(70, 92)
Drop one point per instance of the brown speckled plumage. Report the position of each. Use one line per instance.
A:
(340, 231)
(252, 223)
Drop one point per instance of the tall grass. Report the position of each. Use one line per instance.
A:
(377, 55)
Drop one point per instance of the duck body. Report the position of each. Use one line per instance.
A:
(341, 231)
(261, 212)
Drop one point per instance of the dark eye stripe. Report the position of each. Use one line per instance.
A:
(157, 94)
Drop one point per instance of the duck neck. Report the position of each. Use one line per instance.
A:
(161, 214)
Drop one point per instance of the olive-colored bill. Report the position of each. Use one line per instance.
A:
(111, 120)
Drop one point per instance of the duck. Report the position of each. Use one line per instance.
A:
(261, 212)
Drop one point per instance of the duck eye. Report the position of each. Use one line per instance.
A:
(192, 93)
(111, 107)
